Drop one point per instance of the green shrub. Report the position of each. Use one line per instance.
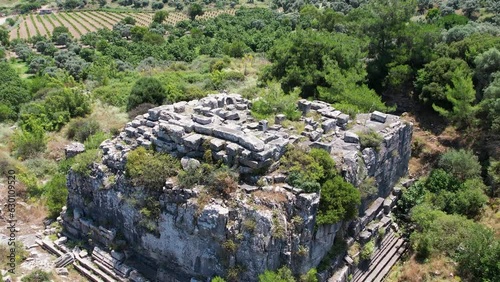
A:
(83, 162)
(339, 200)
(283, 274)
(146, 90)
(217, 279)
(150, 169)
(367, 251)
(274, 101)
(462, 164)
(41, 167)
(29, 141)
(37, 276)
(55, 193)
(310, 276)
(307, 170)
(80, 129)
(370, 139)
(95, 140)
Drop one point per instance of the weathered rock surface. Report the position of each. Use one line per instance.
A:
(257, 228)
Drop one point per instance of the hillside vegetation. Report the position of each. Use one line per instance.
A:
(80, 75)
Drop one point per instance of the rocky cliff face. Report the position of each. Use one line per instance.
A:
(260, 226)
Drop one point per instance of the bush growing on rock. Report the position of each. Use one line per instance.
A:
(150, 169)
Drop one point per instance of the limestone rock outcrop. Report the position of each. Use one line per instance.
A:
(260, 226)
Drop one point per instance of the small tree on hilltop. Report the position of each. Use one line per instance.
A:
(160, 16)
(195, 10)
(146, 90)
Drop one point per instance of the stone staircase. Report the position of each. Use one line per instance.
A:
(386, 255)
(100, 267)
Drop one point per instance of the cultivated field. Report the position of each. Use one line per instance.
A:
(82, 22)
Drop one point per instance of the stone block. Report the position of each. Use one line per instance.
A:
(350, 137)
(74, 149)
(193, 141)
(217, 144)
(202, 119)
(278, 119)
(329, 125)
(251, 143)
(226, 133)
(203, 129)
(378, 116)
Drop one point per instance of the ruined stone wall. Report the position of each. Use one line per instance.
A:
(270, 226)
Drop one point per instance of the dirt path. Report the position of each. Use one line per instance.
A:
(65, 23)
(23, 32)
(96, 21)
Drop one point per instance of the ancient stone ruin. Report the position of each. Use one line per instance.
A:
(261, 226)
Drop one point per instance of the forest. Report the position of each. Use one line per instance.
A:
(436, 62)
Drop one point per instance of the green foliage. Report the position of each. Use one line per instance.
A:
(367, 251)
(440, 180)
(150, 169)
(274, 101)
(432, 80)
(339, 200)
(462, 164)
(84, 162)
(55, 193)
(304, 59)
(194, 10)
(461, 96)
(13, 92)
(95, 140)
(81, 129)
(471, 244)
(304, 171)
(37, 276)
(217, 279)
(160, 16)
(283, 274)
(56, 108)
(310, 276)
(29, 140)
(219, 180)
(411, 196)
(146, 90)
(370, 139)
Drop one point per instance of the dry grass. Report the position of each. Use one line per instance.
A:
(270, 196)
(491, 216)
(437, 269)
(55, 146)
(110, 118)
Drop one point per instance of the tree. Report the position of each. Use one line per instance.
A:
(487, 64)
(339, 201)
(195, 10)
(283, 274)
(128, 20)
(146, 90)
(462, 164)
(160, 16)
(4, 37)
(461, 96)
(432, 80)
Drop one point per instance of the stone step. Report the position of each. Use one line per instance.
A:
(89, 266)
(87, 273)
(376, 266)
(388, 241)
(49, 246)
(108, 271)
(383, 273)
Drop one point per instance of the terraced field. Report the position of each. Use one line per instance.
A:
(82, 22)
